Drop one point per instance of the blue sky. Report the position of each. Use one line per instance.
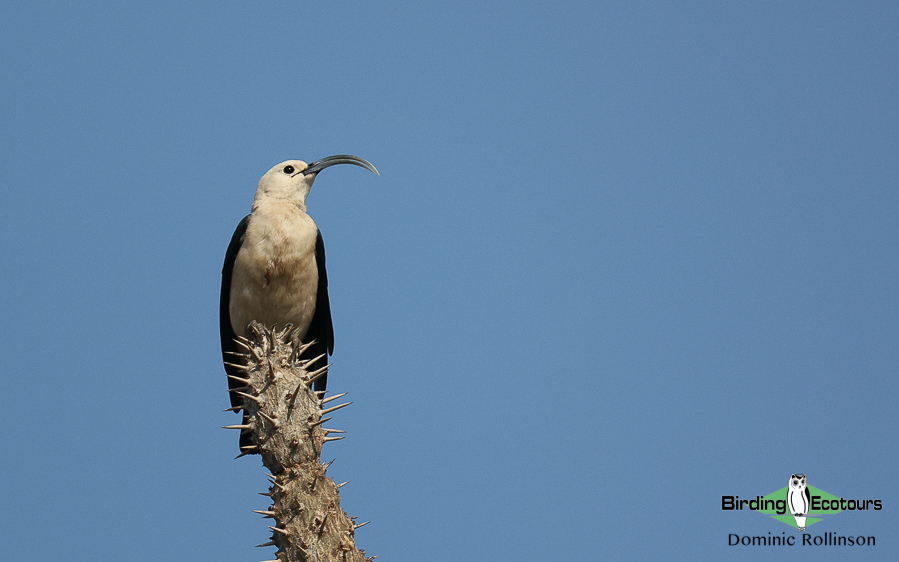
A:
(622, 259)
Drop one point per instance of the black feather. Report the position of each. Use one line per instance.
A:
(321, 329)
(227, 332)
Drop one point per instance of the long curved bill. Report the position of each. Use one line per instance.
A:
(329, 161)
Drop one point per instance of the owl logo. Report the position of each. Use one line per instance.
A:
(798, 499)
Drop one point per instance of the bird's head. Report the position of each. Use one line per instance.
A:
(291, 180)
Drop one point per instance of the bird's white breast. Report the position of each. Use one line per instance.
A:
(275, 278)
(797, 500)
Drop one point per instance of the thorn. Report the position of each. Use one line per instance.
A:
(282, 531)
(287, 327)
(333, 408)
(236, 366)
(271, 370)
(326, 439)
(361, 525)
(327, 431)
(249, 396)
(300, 350)
(335, 397)
(246, 343)
(324, 520)
(264, 494)
(293, 398)
(233, 409)
(271, 419)
(329, 464)
(236, 354)
(270, 543)
(242, 455)
(238, 379)
(266, 513)
(311, 361)
(339, 486)
(317, 374)
(237, 427)
(319, 422)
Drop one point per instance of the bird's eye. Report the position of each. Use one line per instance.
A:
(289, 169)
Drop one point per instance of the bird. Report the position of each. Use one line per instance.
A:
(274, 271)
(798, 496)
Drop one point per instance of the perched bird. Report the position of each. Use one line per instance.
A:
(274, 270)
(798, 497)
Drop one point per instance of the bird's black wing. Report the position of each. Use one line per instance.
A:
(320, 328)
(228, 335)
